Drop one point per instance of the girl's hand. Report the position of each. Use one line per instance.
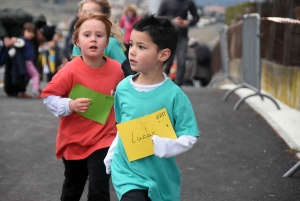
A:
(80, 105)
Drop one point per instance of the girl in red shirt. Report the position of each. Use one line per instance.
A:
(83, 143)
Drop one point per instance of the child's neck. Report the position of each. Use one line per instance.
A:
(98, 63)
(149, 79)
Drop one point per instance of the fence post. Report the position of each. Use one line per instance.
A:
(224, 60)
(251, 60)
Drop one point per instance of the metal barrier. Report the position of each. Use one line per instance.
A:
(251, 60)
(293, 170)
(224, 60)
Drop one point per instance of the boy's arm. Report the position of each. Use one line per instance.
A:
(166, 147)
(110, 154)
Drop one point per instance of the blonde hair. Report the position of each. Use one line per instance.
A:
(98, 16)
(132, 8)
(105, 8)
(117, 33)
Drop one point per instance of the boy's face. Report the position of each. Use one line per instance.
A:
(92, 39)
(29, 34)
(143, 53)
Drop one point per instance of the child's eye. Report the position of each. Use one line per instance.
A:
(86, 35)
(99, 35)
(130, 44)
(142, 47)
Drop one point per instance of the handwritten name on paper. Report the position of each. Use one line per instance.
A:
(139, 138)
(136, 134)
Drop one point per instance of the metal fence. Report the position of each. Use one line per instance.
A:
(251, 67)
(251, 60)
(224, 59)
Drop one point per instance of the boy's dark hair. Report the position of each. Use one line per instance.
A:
(160, 29)
(29, 27)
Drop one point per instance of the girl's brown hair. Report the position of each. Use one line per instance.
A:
(29, 27)
(88, 16)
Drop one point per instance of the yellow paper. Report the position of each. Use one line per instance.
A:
(136, 134)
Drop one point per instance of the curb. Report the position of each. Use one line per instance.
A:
(286, 121)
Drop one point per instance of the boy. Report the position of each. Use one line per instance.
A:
(156, 177)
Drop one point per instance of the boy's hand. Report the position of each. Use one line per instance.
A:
(167, 147)
(161, 146)
(80, 104)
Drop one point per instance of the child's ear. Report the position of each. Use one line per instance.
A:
(77, 44)
(164, 55)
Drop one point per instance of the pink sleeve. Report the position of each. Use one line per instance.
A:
(121, 23)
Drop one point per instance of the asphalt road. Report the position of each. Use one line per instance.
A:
(238, 156)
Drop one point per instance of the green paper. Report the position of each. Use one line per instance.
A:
(100, 106)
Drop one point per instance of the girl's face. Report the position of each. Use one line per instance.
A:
(92, 39)
(90, 7)
(29, 34)
(143, 53)
(130, 14)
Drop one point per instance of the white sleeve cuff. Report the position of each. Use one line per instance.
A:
(166, 147)
(57, 105)
(110, 154)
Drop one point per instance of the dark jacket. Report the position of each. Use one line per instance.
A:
(11, 24)
(179, 8)
(19, 75)
(203, 54)
(13, 20)
(69, 40)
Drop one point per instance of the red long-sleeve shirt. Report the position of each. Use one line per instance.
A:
(77, 136)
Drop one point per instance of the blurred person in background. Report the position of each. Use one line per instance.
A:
(177, 11)
(126, 22)
(69, 42)
(115, 48)
(11, 26)
(198, 63)
(27, 52)
(51, 56)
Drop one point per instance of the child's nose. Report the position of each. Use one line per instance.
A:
(131, 51)
(93, 37)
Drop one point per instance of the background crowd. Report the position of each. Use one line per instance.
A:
(53, 47)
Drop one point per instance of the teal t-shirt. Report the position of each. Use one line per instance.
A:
(160, 176)
(113, 50)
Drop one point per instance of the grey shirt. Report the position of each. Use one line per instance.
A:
(179, 8)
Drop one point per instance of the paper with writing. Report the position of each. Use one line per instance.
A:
(136, 134)
(100, 106)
